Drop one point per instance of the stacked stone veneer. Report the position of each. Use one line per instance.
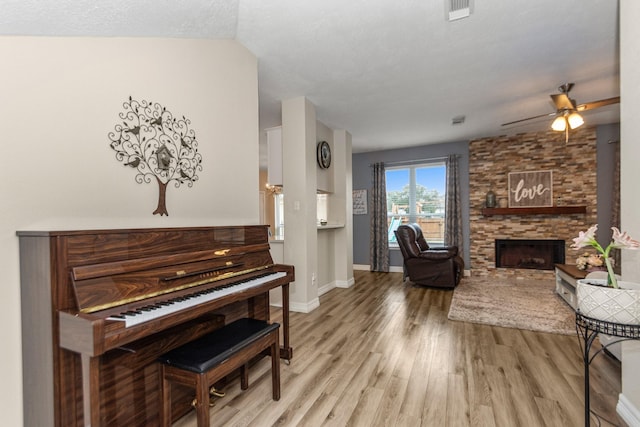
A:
(574, 183)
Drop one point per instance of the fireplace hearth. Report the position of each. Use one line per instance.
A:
(529, 254)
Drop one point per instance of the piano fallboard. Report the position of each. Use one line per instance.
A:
(101, 286)
(96, 333)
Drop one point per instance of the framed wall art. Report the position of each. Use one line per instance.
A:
(359, 202)
(530, 189)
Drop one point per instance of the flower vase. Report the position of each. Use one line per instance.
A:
(598, 301)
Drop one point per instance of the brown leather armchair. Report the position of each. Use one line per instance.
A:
(439, 267)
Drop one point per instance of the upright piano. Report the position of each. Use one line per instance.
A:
(98, 308)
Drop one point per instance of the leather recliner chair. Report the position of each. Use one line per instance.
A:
(438, 267)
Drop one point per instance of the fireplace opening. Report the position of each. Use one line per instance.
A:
(531, 254)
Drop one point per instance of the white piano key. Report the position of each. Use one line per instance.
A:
(189, 301)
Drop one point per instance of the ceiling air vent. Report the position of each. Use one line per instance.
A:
(458, 9)
(457, 120)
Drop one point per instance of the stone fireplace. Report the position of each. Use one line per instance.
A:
(574, 183)
(531, 254)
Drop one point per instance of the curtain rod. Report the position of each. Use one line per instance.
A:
(407, 162)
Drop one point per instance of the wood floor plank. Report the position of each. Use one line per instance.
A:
(554, 416)
(479, 396)
(550, 383)
(417, 381)
(457, 404)
(527, 412)
(319, 411)
(353, 393)
(291, 408)
(504, 409)
(383, 353)
(365, 411)
(387, 413)
(482, 416)
(434, 405)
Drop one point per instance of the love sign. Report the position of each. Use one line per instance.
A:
(530, 189)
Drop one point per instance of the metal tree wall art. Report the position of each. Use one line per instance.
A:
(157, 145)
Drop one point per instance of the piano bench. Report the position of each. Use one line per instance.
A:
(206, 360)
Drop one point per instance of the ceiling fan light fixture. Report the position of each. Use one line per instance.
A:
(575, 120)
(559, 124)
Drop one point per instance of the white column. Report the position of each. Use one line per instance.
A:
(629, 403)
(299, 188)
(342, 208)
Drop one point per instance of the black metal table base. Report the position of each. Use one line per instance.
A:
(589, 328)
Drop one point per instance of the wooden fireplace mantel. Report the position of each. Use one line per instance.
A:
(548, 210)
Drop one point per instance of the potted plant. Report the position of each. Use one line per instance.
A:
(609, 299)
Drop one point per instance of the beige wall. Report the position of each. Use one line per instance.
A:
(60, 97)
(629, 404)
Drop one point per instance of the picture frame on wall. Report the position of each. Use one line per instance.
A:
(359, 202)
(531, 189)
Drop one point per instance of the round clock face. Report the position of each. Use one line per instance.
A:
(324, 154)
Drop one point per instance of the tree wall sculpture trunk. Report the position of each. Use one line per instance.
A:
(162, 193)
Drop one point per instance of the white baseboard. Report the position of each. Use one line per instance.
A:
(628, 411)
(392, 269)
(345, 284)
(326, 288)
(315, 303)
(305, 308)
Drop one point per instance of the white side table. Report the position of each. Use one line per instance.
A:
(567, 276)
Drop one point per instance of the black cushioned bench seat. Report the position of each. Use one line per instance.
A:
(202, 362)
(202, 354)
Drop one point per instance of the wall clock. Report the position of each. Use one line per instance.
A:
(324, 154)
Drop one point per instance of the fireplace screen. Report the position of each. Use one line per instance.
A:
(531, 254)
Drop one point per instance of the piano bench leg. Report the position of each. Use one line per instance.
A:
(275, 369)
(202, 397)
(244, 377)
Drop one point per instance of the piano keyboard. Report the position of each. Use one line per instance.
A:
(144, 314)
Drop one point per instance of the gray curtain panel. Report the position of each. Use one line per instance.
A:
(379, 245)
(453, 211)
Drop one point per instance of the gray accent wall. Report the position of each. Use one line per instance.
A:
(362, 181)
(608, 136)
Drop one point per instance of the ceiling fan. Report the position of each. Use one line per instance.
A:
(567, 111)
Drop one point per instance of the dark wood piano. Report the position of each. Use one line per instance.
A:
(98, 308)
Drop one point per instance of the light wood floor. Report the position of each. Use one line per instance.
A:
(383, 353)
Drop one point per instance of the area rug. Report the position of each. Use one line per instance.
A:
(511, 303)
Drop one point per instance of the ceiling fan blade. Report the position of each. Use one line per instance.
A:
(528, 118)
(563, 102)
(598, 104)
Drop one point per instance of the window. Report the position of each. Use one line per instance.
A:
(416, 193)
(279, 215)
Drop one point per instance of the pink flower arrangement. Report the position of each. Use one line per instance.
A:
(619, 240)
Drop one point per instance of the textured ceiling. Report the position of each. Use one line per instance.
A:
(392, 73)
